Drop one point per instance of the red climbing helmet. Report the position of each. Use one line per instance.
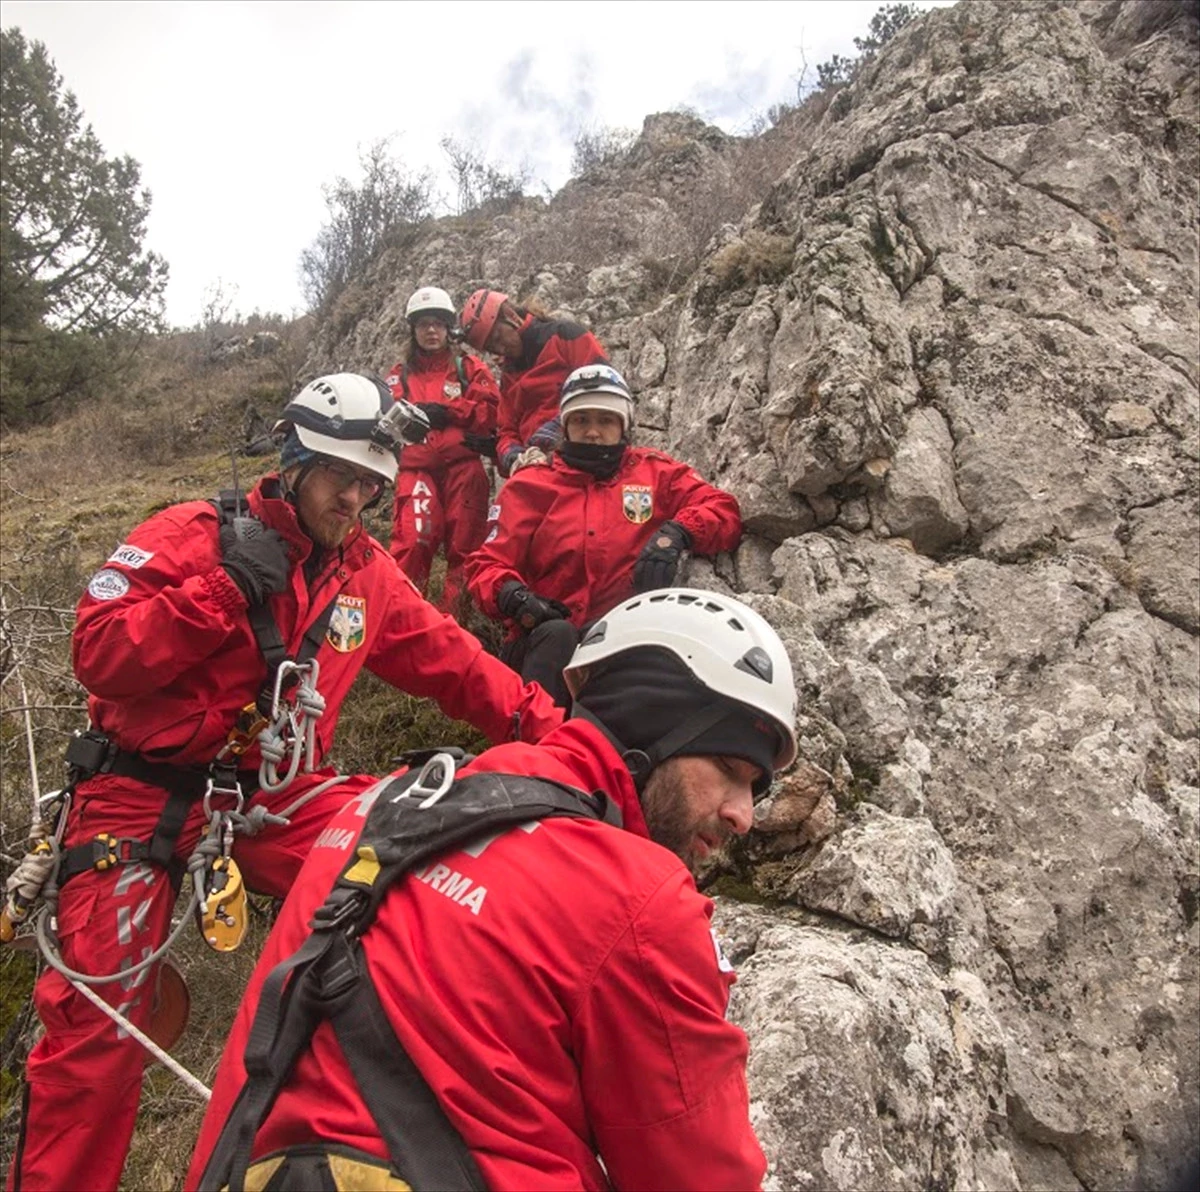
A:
(479, 315)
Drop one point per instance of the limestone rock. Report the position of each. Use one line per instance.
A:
(963, 427)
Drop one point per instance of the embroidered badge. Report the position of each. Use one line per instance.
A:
(131, 556)
(492, 533)
(637, 503)
(452, 389)
(493, 513)
(348, 625)
(108, 585)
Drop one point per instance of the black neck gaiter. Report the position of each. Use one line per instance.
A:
(594, 458)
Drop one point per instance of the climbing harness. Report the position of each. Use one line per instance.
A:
(282, 720)
(413, 818)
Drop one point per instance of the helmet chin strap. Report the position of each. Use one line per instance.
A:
(642, 762)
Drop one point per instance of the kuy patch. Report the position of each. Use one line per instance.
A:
(108, 585)
(131, 556)
(494, 513)
(452, 389)
(348, 625)
(637, 503)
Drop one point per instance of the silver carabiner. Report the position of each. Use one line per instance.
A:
(286, 667)
(434, 780)
(213, 789)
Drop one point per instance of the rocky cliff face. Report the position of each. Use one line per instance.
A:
(946, 355)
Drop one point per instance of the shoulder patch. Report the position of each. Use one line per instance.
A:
(492, 533)
(493, 513)
(131, 556)
(108, 585)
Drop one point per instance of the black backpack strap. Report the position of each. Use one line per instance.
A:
(282, 1028)
(427, 1150)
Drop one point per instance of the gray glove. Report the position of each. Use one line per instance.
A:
(257, 562)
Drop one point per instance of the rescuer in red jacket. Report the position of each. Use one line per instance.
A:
(441, 488)
(536, 356)
(170, 644)
(557, 984)
(603, 520)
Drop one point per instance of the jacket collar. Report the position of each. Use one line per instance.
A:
(430, 361)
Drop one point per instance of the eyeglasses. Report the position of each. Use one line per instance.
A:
(343, 477)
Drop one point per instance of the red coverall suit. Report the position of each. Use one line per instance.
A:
(530, 385)
(441, 488)
(570, 536)
(164, 647)
(558, 988)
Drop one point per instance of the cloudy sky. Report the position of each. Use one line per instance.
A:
(239, 111)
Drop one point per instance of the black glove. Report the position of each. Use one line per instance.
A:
(659, 560)
(258, 563)
(484, 444)
(438, 415)
(528, 609)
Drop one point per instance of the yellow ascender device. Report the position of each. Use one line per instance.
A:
(223, 913)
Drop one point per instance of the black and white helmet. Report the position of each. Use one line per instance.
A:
(728, 649)
(597, 387)
(342, 416)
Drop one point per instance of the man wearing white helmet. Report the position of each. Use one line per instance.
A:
(186, 640)
(604, 520)
(442, 490)
(555, 983)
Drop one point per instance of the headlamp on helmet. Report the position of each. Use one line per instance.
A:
(597, 387)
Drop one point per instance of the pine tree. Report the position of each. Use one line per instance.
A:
(73, 270)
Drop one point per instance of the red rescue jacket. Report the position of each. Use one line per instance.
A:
(530, 385)
(434, 377)
(569, 536)
(558, 988)
(164, 647)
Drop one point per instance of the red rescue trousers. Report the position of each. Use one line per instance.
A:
(85, 1076)
(435, 507)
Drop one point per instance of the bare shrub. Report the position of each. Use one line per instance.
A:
(599, 149)
(757, 258)
(361, 215)
(479, 183)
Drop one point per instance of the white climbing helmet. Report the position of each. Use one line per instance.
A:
(728, 647)
(597, 387)
(429, 300)
(341, 416)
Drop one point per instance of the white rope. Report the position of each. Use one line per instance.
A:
(153, 1048)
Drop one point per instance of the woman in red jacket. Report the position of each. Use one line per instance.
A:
(442, 489)
(536, 354)
(604, 520)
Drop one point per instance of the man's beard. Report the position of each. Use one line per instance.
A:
(669, 818)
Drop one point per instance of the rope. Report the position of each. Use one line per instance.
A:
(153, 1048)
